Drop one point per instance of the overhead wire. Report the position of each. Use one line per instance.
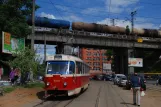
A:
(96, 15)
(124, 0)
(59, 29)
(56, 9)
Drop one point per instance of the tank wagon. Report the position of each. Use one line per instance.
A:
(50, 23)
(92, 27)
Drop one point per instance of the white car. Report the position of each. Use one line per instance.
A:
(116, 79)
(122, 81)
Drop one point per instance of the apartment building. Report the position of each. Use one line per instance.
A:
(95, 58)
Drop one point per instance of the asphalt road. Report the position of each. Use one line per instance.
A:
(99, 94)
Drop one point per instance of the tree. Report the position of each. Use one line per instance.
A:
(25, 60)
(13, 16)
(109, 54)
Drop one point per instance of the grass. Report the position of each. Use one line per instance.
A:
(9, 89)
(34, 85)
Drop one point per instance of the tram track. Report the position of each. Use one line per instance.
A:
(108, 88)
(63, 103)
(57, 102)
(126, 105)
(98, 97)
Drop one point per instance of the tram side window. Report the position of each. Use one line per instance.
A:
(82, 68)
(79, 66)
(72, 67)
(85, 69)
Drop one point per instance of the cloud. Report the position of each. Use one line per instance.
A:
(50, 16)
(95, 10)
(73, 18)
(146, 25)
(118, 6)
(121, 23)
(62, 8)
(140, 23)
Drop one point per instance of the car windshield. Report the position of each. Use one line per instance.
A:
(124, 78)
(118, 76)
(60, 67)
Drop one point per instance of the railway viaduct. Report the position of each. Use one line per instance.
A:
(121, 44)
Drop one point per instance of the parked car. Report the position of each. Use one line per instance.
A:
(116, 79)
(98, 77)
(107, 77)
(122, 81)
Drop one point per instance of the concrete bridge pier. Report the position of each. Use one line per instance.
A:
(64, 48)
(121, 60)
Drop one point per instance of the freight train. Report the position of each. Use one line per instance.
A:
(92, 27)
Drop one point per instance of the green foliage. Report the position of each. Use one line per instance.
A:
(109, 54)
(25, 60)
(13, 16)
(41, 69)
(9, 89)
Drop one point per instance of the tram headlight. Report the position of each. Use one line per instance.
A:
(47, 83)
(65, 84)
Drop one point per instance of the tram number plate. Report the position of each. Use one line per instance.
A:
(56, 80)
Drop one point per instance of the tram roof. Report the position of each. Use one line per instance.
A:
(63, 57)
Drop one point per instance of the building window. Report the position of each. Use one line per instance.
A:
(94, 54)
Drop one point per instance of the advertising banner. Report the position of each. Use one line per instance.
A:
(135, 62)
(106, 66)
(11, 43)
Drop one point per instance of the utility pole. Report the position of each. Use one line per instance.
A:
(132, 29)
(44, 47)
(33, 25)
(131, 69)
(113, 22)
(132, 21)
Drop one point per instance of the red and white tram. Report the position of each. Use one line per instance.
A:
(65, 74)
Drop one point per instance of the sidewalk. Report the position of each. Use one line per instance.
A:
(151, 99)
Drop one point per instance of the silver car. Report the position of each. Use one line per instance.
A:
(122, 81)
(116, 79)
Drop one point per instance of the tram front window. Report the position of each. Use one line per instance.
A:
(60, 67)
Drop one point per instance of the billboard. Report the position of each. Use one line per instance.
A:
(106, 66)
(11, 43)
(135, 62)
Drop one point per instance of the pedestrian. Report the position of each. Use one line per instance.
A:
(136, 84)
(12, 75)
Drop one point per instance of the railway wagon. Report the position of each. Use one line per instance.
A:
(65, 75)
(50, 23)
(92, 27)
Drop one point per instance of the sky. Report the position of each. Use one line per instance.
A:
(147, 15)
(50, 50)
(102, 11)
